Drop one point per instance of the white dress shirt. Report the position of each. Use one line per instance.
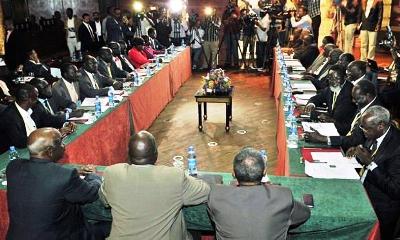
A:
(71, 90)
(196, 35)
(368, 7)
(118, 62)
(98, 28)
(89, 28)
(30, 125)
(356, 81)
(304, 22)
(92, 80)
(263, 35)
(4, 87)
(71, 24)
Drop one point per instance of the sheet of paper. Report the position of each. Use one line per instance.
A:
(55, 72)
(89, 102)
(335, 158)
(308, 86)
(296, 64)
(301, 102)
(330, 171)
(305, 96)
(87, 116)
(325, 129)
(295, 76)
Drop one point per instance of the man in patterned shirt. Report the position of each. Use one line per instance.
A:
(314, 11)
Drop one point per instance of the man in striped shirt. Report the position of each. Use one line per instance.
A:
(211, 27)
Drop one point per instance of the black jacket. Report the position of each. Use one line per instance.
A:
(86, 89)
(44, 200)
(351, 13)
(306, 55)
(88, 43)
(116, 73)
(373, 21)
(39, 70)
(12, 129)
(61, 98)
(43, 118)
(15, 49)
(344, 109)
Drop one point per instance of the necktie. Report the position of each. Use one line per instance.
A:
(109, 71)
(90, 31)
(334, 99)
(355, 120)
(48, 107)
(374, 148)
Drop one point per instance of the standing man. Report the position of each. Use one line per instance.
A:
(15, 46)
(211, 26)
(352, 11)
(196, 41)
(231, 35)
(262, 27)
(98, 29)
(380, 156)
(163, 29)
(113, 26)
(371, 22)
(44, 198)
(71, 26)
(249, 35)
(104, 22)
(87, 35)
(160, 193)
(179, 29)
(314, 10)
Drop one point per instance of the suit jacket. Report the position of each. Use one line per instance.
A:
(307, 55)
(344, 109)
(12, 129)
(44, 200)
(116, 73)
(315, 65)
(114, 30)
(160, 193)
(61, 98)
(373, 21)
(257, 212)
(39, 70)
(356, 136)
(86, 89)
(87, 42)
(43, 118)
(15, 49)
(383, 183)
(126, 65)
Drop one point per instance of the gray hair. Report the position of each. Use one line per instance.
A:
(40, 145)
(377, 114)
(249, 165)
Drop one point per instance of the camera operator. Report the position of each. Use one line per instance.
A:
(231, 22)
(196, 43)
(262, 27)
(144, 23)
(211, 27)
(163, 28)
(304, 22)
(179, 29)
(249, 34)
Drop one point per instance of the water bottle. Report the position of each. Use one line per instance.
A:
(13, 154)
(192, 162)
(264, 154)
(111, 96)
(97, 107)
(293, 137)
(148, 71)
(183, 43)
(158, 62)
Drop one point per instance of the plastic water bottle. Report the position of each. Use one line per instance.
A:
(158, 62)
(13, 154)
(97, 107)
(293, 137)
(192, 162)
(111, 96)
(148, 71)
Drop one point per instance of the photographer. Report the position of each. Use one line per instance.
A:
(262, 27)
(144, 23)
(179, 29)
(196, 43)
(305, 21)
(211, 26)
(249, 34)
(231, 22)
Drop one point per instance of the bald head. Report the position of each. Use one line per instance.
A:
(328, 48)
(356, 70)
(143, 149)
(45, 143)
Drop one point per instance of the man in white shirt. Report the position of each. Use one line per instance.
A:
(97, 27)
(262, 27)
(305, 21)
(380, 156)
(179, 29)
(196, 41)
(71, 25)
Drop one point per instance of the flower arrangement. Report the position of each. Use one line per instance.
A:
(216, 82)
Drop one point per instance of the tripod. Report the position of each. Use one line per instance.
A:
(271, 42)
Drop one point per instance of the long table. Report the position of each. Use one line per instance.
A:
(290, 161)
(105, 141)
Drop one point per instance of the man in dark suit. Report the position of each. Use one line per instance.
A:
(371, 22)
(356, 71)
(364, 96)
(43, 197)
(345, 59)
(126, 64)
(92, 83)
(15, 46)
(108, 67)
(269, 210)
(119, 59)
(380, 156)
(33, 65)
(308, 52)
(154, 43)
(337, 97)
(66, 90)
(98, 29)
(321, 60)
(87, 35)
(113, 27)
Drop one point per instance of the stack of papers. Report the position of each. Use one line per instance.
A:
(325, 129)
(335, 158)
(89, 102)
(295, 76)
(330, 171)
(303, 86)
(305, 96)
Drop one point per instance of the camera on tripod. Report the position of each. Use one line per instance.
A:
(390, 41)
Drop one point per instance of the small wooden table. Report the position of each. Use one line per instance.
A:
(202, 97)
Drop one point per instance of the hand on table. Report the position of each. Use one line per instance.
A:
(363, 155)
(309, 108)
(315, 137)
(325, 118)
(118, 85)
(68, 129)
(87, 169)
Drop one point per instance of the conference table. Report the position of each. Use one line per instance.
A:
(105, 141)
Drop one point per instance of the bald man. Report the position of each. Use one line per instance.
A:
(146, 200)
(43, 197)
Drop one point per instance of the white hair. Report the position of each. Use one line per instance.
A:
(377, 114)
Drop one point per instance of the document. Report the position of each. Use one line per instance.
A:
(295, 76)
(87, 118)
(55, 72)
(89, 102)
(301, 102)
(325, 129)
(330, 171)
(305, 96)
(303, 86)
(335, 158)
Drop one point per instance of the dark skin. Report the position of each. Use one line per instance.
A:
(106, 54)
(96, 17)
(360, 99)
(31, 101)
(355, 70)
(143, 149)
(123, 47)
(345, 59)
(71, 74)
(115, 48)
(372, 131)
(91, 66)
(55, 150)
(69, 13)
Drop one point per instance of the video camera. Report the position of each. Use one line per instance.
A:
(390, 41)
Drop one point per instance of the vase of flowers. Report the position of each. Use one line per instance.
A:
(217, 83)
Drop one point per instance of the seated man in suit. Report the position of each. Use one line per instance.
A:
(345, 59)
(160, 193)
(120, 60)
(33, 65)
(109, 67)
(321, 60)
(123, 56)
(66, 90)
(43, 114)
(307, 53)
(337, 97)
(253, 210)
(154, 43)
(136, 55)
(380, 156)
(92, 83)
(44, 197)
(356, 71)
(364, 96)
